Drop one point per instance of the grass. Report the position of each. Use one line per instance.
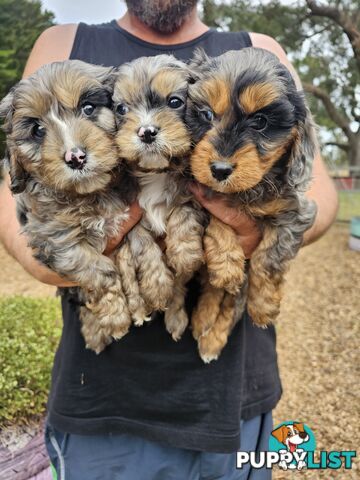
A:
(30, 330)
(349, 204)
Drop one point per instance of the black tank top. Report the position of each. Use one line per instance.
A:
(146, 384)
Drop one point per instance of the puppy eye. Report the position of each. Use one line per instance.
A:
(207, 115)
(259, 122)
(38, 131)
(88, 109)
(175, 102)
(122, 109)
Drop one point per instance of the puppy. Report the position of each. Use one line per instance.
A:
(255, 144)
(150, 97)
(65, 172)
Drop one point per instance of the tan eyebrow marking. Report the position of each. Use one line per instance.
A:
(217, 93)
(257, 96)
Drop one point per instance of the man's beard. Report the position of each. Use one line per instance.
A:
(163, 16)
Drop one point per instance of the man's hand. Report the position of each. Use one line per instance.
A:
(245, 227)
(135, 214)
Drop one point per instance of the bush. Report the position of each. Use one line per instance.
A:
(29, 333)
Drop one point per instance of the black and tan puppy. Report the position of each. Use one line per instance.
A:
(64, 170)
(255, 144)
(150, 97)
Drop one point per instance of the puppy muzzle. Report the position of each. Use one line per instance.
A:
(221, 170)
(75, 158)
(147, 133)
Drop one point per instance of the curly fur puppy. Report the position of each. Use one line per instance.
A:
(150, 97)
(255, 144)
(64, 170)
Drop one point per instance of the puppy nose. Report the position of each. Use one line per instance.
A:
(148, 133)
(75, 158)
(220, 171)
(302, 435)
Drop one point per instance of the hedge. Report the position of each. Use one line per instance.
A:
(29, 333)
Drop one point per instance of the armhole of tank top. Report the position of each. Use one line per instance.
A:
(245, 36)
(75, 46)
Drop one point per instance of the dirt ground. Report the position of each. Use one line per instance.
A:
(15, 281)
(318, 342)
(318, 346)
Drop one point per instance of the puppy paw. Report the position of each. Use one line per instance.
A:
(112, 312)
(210, 347)
(139, 322)
(224, 257)
(263, 313)
(138, 311)
(212, 342)
(229, 279)
(157, 289)
(185, 259)
(184, 245)
(96, 338)
(176, 322)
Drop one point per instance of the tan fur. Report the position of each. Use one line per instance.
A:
(184, 253)
(249, 169)
(217, 93)
(272, 208)
(126, 265)
(224, 256)
(212, 342)
(156, 282)
(207, 310)
(257, 96)
(166, 82)
(184, 249)
(265, 290)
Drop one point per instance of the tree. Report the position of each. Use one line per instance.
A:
(21, 22)
(323, 42)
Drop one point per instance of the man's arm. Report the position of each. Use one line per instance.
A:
(54, 44)
(322, 189)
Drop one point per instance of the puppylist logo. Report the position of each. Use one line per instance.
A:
(292, 447)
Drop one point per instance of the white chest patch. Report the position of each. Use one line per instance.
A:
(156, 200)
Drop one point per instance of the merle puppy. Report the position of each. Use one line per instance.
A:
(71, 195)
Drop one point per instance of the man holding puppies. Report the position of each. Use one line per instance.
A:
(147, 408)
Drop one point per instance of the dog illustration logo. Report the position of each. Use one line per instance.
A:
(291, 435)
(297, 439)
(292, 447)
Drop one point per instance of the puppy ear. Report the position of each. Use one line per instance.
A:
(7, 110)
(108, 78)
(303, 151)
(199, 58)
(280, 433)
(18, 175)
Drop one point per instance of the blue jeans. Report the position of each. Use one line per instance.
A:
(127, 457)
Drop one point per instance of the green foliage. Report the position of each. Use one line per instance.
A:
(30, 330)
(21, 22)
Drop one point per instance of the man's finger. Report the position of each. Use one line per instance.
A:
(135, 214)
(218, 207)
